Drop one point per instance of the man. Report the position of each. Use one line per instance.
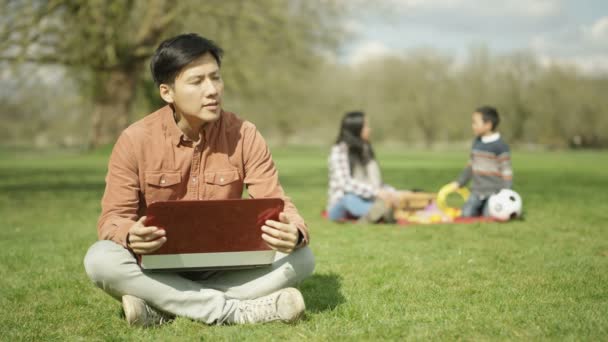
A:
(193, 149)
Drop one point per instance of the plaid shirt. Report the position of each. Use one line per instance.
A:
(340, 179)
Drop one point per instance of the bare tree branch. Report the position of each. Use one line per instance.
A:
(159, 17)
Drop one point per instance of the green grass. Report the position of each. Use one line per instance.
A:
(544, 278)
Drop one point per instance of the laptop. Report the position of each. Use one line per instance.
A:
(211, 234)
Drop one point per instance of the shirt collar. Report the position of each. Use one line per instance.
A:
(175, 134)
(490, 138)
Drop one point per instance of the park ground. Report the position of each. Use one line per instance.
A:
(542, 278)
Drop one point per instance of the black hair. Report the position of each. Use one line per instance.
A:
(173, 54)
(489, 114)
(360, 152)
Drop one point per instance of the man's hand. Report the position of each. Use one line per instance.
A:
(145, 240)
(281, 236)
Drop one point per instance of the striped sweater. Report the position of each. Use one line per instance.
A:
(489, 166)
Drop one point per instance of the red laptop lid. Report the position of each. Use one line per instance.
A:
(212, 226)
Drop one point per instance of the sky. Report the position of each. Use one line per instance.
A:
(555, 31)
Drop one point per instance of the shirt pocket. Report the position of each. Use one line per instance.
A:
(162, 185)
(223, 184)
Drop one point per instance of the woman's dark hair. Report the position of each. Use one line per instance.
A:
(360, 152)
(173, 54)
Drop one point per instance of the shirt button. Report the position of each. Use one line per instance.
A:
(194, 179)
(162, 181)
(222, 180)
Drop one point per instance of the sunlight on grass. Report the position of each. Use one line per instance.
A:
(542, 278)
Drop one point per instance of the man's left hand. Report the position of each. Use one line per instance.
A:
(281, 236)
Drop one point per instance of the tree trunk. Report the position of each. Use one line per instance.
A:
(114, 95)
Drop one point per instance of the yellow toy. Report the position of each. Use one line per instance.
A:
(442, 197)
(428, 208)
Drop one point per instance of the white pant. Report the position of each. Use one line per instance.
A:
(209, 297)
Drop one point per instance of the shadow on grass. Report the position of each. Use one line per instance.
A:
(322, 292)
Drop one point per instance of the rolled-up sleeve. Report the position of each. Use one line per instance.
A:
(120, 201)
(262, 178)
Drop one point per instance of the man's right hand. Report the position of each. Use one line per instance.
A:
(145, 240)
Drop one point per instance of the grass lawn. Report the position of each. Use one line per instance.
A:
(545, 278)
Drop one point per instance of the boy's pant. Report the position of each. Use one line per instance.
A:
(207, 296)
(476, 205)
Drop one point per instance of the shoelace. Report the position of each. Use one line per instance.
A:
(156, 316)
(258, 310)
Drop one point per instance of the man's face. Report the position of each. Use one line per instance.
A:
(197, 90)
(480, 128)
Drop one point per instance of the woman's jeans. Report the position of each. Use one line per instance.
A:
(349, 205)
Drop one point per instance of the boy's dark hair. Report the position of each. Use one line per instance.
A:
(489, 114)
(173, 54)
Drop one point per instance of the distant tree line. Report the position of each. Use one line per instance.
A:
(74, 73)
(423, 98)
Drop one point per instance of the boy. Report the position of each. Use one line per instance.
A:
(490, 163)
(192, 149)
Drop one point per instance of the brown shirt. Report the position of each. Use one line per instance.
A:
(154, 161)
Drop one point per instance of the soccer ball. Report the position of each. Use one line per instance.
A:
(505, 205)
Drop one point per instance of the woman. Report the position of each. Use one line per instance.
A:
(355, 183)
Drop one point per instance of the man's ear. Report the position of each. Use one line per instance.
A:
(166, 92)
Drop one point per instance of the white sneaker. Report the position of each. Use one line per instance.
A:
(138, 313)
(286, 305)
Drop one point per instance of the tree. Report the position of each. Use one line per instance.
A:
(107, 43)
